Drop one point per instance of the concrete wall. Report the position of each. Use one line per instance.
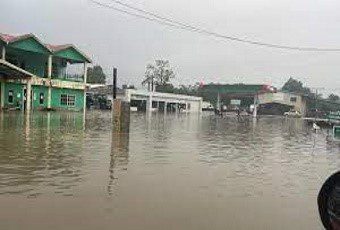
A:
(195, 106)
(18, 90)
(56, 95)
(132, 94)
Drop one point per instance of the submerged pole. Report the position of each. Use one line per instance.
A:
(114, 84)
(120, 109)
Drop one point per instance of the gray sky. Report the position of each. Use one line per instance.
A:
(111, 38)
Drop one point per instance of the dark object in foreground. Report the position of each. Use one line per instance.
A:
(329, 202)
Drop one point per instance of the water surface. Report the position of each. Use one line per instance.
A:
(69, 171)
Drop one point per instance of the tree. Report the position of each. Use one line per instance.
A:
(333, 97)
(95, 74)
(293, 85)
(159, 74)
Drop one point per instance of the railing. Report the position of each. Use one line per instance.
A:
(70, 77)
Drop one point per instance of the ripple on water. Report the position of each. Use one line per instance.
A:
(57, 153)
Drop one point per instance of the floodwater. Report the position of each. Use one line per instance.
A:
(64, 171)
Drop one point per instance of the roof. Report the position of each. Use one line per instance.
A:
(237, 88)
(59, 48)
(9, 39)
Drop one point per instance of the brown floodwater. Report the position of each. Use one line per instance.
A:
(69, 171)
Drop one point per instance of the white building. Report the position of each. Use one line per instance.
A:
(156, 101)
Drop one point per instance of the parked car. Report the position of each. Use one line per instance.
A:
(292, 113)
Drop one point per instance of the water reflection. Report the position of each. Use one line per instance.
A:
(168, 167)
(38, 151)
(118, 158)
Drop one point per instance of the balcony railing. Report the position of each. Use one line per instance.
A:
(70, 77)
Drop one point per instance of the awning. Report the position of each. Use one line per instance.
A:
(9, 70)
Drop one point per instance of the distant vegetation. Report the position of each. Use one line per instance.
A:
(314, 99)
(158, 76)
(96, 75)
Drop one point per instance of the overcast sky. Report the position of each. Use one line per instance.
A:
(111, 38)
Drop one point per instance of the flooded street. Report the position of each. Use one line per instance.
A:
(61, 171)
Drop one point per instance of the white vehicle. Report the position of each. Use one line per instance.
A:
(292, 113)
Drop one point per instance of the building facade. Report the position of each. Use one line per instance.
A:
(292, 100)
(34, 75)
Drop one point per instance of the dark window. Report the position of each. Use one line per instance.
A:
(293, 99)
(41, 98)
(10, 96)
(71, 100)
(63, 99)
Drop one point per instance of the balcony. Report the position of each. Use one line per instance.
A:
(70, 77)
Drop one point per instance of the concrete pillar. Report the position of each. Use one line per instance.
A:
(85, 79)
(49, 66)
(49, 75)
(165, 106)
(200, 106)
(149, 103)
(2, 95)
(121, 116)
(49, 97)
(28, 96)
(85, 72)
(3, 53)
(176, 107)
(157, 106)
(255, 107)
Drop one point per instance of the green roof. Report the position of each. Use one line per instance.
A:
(30, 43)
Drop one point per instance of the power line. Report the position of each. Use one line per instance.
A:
(180, 25)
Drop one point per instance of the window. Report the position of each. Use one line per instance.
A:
(293, 99)
(41, 98)
(68, 100)
(71, 100)
(10, 96)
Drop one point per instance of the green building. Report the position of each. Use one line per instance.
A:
(34, 76)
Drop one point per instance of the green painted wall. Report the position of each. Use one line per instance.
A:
(17, 94)
(37, 90)
(55, 98)
(30, 44)
(56, 94)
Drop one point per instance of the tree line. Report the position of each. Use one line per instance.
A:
(158, 78)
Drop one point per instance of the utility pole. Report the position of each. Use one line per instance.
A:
(114, 83)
